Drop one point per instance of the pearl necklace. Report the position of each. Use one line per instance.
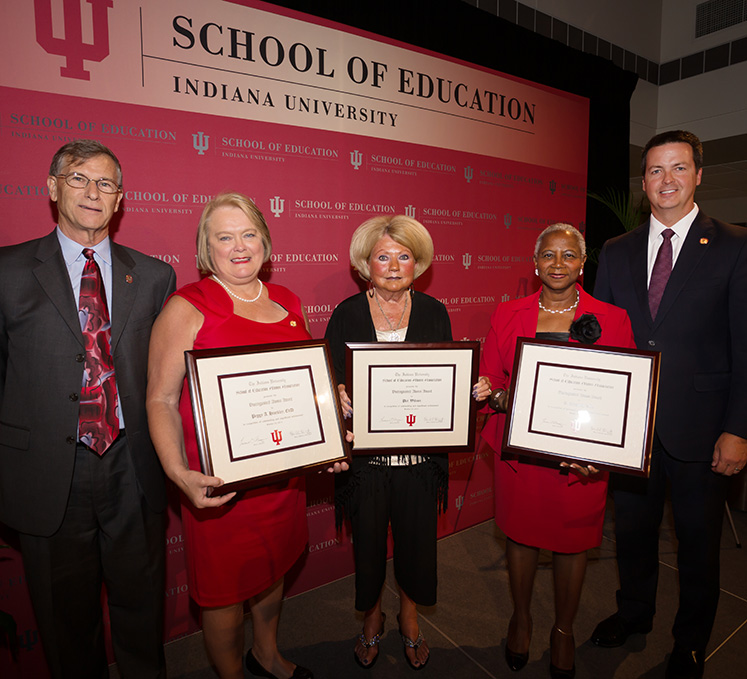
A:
(393, 335)
(558, 311)
(233, 294)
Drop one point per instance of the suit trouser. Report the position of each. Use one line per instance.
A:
(109, 535)
(697, 496)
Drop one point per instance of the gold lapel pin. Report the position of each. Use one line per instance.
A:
(293, 324)
(128, 278)
(704, 241)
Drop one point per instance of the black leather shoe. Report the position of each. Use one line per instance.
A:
(252, 664)
(615, 630)
(685, 663)
(516, 661)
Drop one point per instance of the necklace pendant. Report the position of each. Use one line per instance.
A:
(394, 337)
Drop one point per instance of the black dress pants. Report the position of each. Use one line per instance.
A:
(697, 496)
(109, 535)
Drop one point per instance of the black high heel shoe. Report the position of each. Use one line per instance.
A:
(558, 672)
(515, 661)
(252, 664)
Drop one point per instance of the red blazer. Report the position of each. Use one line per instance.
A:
(518, 318)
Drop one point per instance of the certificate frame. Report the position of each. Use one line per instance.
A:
(265, 412)
(437, 385)
(582, 403)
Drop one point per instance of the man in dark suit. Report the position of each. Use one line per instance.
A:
(682, 277)
(79, 479)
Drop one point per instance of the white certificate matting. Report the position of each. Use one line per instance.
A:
(583, 403)
(265, 412)
(409, 395)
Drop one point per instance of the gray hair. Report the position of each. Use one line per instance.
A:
(79, 151)
(560, 226)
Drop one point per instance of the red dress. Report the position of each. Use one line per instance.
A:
(535, 503)
(240, 549)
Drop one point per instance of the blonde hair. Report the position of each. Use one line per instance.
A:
(247, 206)
(401, 229)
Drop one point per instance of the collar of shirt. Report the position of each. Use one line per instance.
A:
(72, 253)
(655, 239)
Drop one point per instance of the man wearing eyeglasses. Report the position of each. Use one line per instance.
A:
(79, 479)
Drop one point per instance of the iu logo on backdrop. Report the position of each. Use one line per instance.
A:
(410, 211)
(356, 158)
(277, 206)
(466, 260)
(468, 173)
(200, 142)
(72, 46)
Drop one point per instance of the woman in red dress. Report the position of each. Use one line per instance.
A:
(237, 550)
(538, 504)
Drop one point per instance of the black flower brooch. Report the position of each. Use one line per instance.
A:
(586, 329)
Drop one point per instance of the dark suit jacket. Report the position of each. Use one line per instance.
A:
(701, 330)
(41, 372)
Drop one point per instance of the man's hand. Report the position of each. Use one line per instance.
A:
(729, 454)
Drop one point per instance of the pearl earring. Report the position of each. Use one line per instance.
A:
(581, 273)
(536, 272)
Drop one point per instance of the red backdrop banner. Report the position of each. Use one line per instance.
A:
(322, 127)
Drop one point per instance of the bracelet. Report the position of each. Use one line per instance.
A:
(494, 401)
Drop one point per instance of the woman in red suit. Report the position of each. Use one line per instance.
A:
(540, 505)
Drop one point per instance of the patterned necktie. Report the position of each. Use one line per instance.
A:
(98, 420)
(660, 273)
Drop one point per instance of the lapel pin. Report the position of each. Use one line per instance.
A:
(704, 241)
(128, 278)
(293, 324)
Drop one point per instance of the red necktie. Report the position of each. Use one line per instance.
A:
(660, 273)
(98, 419)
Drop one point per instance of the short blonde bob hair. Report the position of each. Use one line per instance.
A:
(247, 206)
(404, 230)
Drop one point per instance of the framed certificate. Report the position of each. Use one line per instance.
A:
(265, 412)
(582, 403)
(409, 395)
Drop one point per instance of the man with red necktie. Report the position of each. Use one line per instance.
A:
(682, 278)
(79, 479)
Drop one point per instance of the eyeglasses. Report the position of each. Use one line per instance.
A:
(80, 181)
